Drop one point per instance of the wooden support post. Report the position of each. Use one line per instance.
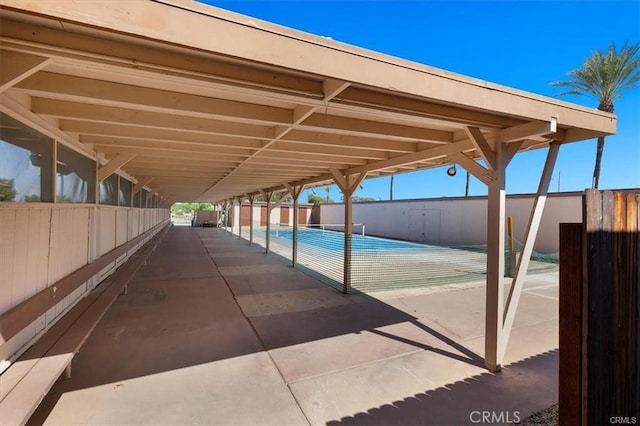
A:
(495, 264)
(239, 217)
(348, 184)
(295, 192)
(227, 214)
(267, 235)
(251, 198)
(348, 236)
(223, 215)
(527, 248)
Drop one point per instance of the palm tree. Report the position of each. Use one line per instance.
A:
(605, 75)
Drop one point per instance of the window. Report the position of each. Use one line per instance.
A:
(109, 190)
(26, 162)
(124, 192)
(76, 177)
(136, 199)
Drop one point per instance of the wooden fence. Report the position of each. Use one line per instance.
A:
(600, 312)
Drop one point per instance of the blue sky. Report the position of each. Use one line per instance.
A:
(521, 44)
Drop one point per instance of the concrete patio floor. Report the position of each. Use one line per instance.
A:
(213, 331)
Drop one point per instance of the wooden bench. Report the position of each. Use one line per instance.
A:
(27, 381)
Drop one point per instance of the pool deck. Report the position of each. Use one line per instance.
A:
(213, 331)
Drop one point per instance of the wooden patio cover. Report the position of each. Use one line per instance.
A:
(200, 104)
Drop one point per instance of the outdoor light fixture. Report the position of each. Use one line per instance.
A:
(451, 171)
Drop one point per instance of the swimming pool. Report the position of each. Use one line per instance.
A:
(379, 263)
(334, 240)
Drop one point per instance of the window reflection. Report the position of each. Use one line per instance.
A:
(76, 177)
(109, 190)
(26, 158)
(124, 192)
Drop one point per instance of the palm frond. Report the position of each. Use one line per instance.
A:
(605, 75)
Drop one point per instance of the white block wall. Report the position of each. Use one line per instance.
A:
(453, 221)
(41, 243)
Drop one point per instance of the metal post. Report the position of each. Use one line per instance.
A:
(495, 264)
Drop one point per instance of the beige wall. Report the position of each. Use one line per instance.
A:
(451, 221)
(42, 243)
(274, 217)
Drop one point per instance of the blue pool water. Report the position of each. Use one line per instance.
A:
(332, 240)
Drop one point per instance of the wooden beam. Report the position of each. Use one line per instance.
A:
(106, 93)
(432, 110)
(16, 66)
(208, 146)
(527, 130)
(164, 135)
(114, 164)
(512, 150)
(301, 113)
(16, 109)
(511, 135)
(532, 231)
(306, 137)
(312, 157)
(427, 154)
(107, 114)
(340, 180)
(311, 56)
(294, 190)
(341, 151)
(105, 50)
(376, 129)
(142, 182)
(147, 154)
(481, 144)
(332, 88)
(482, 174)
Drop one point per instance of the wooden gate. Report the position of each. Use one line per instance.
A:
(302, 215)
(284, 215)
(600, 312)
(264, 215)
(246, 216)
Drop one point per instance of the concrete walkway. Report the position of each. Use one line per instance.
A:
(213, 331)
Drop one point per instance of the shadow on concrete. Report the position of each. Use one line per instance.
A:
(477, 400)
(187, 315)
(468, 356)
